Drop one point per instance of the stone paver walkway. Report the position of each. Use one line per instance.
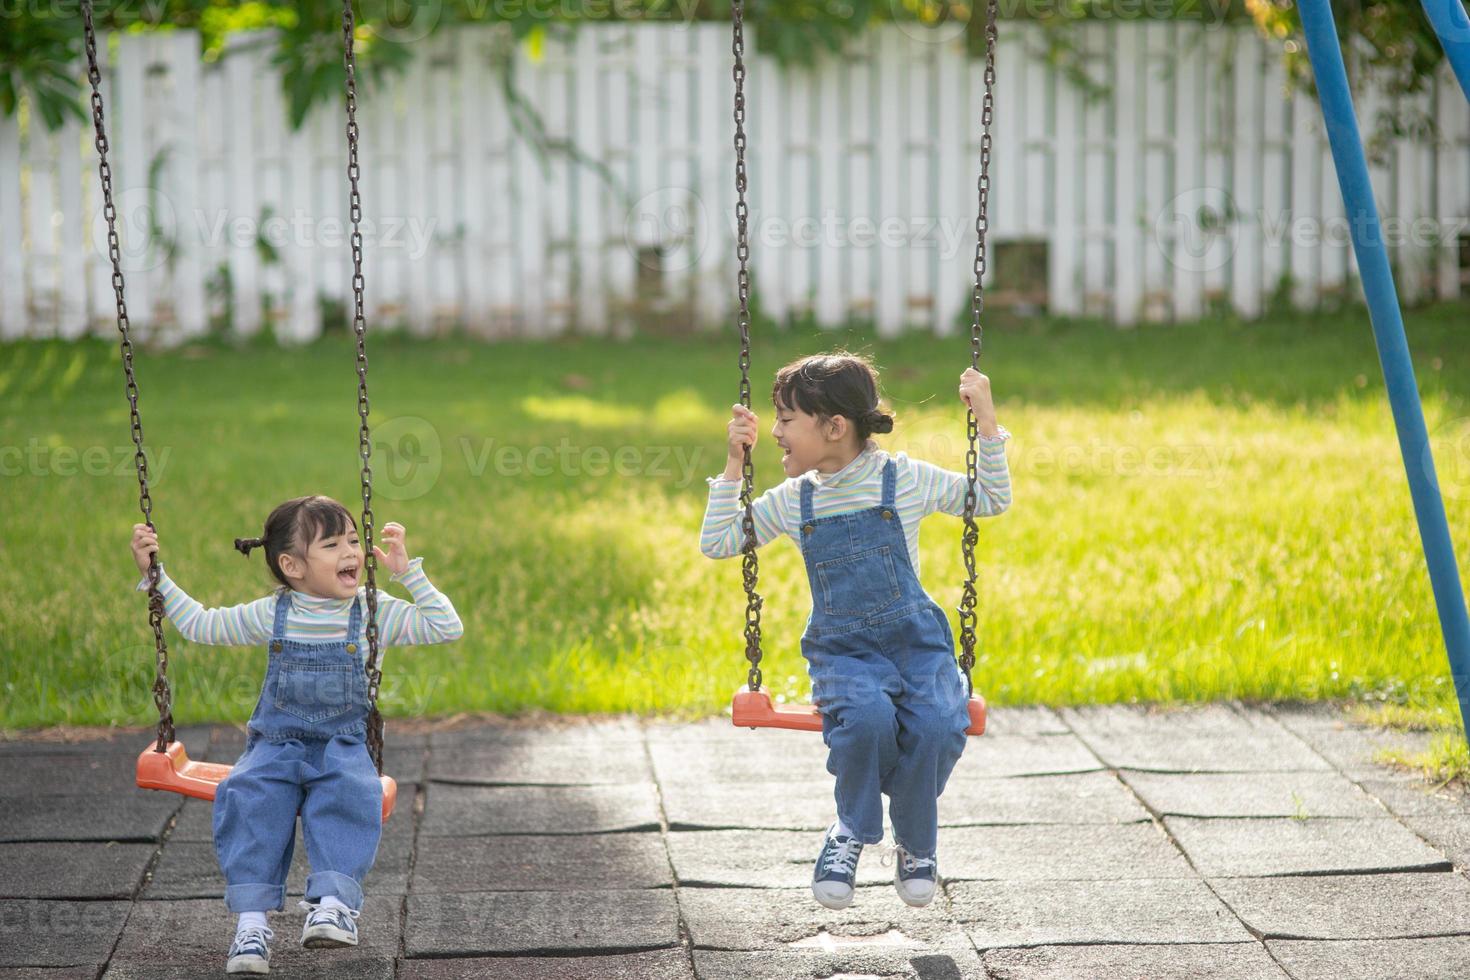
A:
(1221, 841)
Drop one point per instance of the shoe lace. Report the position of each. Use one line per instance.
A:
(312, 908)
(911, 864)
(905, 860)
(253, 934)
(842, 855)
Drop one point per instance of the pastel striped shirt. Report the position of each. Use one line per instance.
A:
(920, 489)
(429, 618)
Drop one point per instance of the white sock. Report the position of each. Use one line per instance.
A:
(842, 830)
(333, 902)
(251, 920)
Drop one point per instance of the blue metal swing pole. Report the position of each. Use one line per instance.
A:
(1388, 333)
(1453, 27)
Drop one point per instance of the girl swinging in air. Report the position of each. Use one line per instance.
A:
(305, 748)
(879, 650)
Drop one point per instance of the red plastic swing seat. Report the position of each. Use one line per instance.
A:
(174, 772)
(755, 709)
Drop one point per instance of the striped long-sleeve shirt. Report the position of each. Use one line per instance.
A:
(921, 489)
(429, 618)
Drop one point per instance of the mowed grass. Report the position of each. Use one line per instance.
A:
(1201, 512)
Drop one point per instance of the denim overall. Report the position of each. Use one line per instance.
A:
(305, 752)
(881, 657)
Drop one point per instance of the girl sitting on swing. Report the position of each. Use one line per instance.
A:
(879, 650)
(305, 748)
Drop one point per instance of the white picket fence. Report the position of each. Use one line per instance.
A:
(862, 196)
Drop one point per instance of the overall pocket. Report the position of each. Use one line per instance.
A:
(316, 692)
(859, 584)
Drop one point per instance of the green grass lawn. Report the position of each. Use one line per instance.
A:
(1205, 511)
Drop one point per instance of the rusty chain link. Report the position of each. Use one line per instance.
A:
(971, 534)
(364, 438)
(162, 694)
(750, 566)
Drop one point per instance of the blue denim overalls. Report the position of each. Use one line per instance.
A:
(305, 752)
(881, 657)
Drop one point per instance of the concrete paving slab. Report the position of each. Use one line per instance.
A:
(137, 816)
(105, 774)
(454, 810)
(805, 804)
(1394, 959)
(1024, 755)
(1448, 835)
(1260, 794)
(190, 938)
(662, 964)
(72, 870)
(703, 753)
(545, 762)
(1219, 720)
(1409, 795)
(1065, 851)
(1043, 913)
(1261, 751)
(1350, 906)
(510, 923)
(38, 933)
(1024, 720)
(1184, 961)
(541, 863)
(1072, 798)
(744, 919)
(1355, 750)
(827, 956)
(1271, 846)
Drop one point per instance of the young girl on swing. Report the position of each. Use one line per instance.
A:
(879, 650)
(305, 748)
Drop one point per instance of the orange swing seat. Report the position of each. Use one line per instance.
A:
(174, 772)
(755, 709)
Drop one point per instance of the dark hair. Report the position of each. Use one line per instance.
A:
(292, 528)
(838, 383)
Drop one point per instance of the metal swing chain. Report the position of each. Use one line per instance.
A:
(750, 567)
(971, 535)
(162, 694)
(364, 439)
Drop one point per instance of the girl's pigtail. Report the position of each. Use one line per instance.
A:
(243, 545)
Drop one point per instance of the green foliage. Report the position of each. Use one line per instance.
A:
(34, 55)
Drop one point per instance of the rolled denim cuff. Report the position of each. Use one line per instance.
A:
(255, 898)
(320, 884)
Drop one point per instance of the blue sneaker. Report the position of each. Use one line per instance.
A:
(836, 871)
(250, 952)
(917, 879)
(328, 925)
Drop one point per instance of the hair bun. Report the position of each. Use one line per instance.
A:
(243, 545)
(877, 421)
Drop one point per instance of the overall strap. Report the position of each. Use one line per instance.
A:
(283, 606)
(354, 620)
(807, 514)
(890, 483)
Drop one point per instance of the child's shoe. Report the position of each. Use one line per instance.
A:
(250, 952)
(328, 925)
(836, 871)
(915, 878)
